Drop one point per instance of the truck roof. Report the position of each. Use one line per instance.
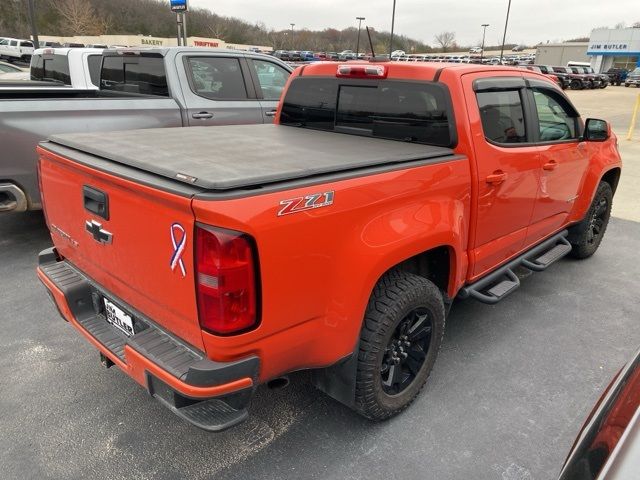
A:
(166, 50)
(414, 70)
(223, 158)
(65, 50)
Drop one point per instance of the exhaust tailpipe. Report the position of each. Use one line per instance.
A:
(12, 198)
(278, 383)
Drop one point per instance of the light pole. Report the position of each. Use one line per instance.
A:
(34, 28)
(393, 23)
(504, 37)
(292, 35)
(360, 19)
(484, 33)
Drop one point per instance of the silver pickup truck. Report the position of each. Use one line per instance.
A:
(139, 88)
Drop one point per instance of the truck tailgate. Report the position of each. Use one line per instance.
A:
(138, 249)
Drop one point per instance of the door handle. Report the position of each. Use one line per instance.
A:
(550, 165)
(202, 115)
(271, 113)
(497, 177)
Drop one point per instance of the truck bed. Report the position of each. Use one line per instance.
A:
(239, 156)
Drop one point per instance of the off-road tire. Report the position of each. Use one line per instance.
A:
(575, 85)
(396, 295)
(581, 236)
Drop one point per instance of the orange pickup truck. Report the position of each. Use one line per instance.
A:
(206, 261)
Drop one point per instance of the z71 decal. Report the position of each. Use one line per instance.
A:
(309, 202)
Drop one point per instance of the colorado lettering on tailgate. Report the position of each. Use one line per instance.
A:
(309, 202)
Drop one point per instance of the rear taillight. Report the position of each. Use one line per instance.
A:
(226, 280)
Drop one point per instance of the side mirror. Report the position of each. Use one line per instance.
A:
(596, 130)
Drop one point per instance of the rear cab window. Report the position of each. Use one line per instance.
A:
(418, 112)
(140, 74)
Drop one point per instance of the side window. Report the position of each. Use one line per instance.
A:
(217, 78)
(13, 43)
(557, 120)
(140, 75)
(272, 78)
(502, 116)
(94, 62)
(56, 68)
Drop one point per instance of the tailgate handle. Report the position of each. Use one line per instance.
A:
(96, 201)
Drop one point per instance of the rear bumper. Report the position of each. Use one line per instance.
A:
(211, 395)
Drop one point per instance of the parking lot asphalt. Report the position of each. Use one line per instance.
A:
(509, 392)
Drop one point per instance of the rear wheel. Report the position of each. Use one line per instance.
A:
(575, 85)
(586, 236)
(399, 343)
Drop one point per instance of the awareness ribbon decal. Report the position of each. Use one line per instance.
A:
(178, 248)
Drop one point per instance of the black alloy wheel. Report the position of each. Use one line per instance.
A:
(406, 352)
(598, 221)
(586, 236)
(399, 342)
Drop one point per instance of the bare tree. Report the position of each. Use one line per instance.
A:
(446, 40)
(79, 16)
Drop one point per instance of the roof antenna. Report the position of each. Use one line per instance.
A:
(373, 53)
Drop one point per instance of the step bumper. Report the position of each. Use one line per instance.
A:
(211, 395)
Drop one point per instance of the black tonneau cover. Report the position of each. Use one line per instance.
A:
(239, 156)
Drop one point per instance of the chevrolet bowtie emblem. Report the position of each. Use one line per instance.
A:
(99, 235)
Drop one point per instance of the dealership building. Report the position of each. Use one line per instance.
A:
(606, 48)
(619, 48)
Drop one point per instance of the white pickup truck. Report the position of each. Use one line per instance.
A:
(76, 67)
(13, 49)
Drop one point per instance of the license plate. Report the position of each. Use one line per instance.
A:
(118, 318)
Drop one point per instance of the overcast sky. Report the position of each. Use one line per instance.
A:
(531, 21)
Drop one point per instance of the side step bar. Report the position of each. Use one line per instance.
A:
(503, 281)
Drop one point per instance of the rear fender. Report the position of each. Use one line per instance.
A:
(381, 247)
